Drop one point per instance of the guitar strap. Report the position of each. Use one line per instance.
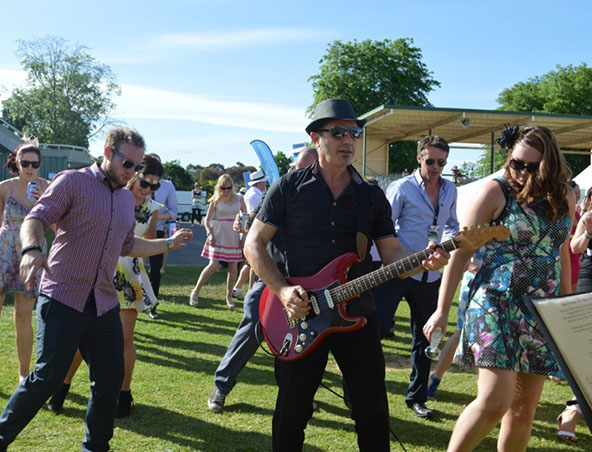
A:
(363, 220)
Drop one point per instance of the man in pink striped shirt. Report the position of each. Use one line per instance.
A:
(78, 306)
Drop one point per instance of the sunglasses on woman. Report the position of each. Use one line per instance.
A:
(226, 188)
(145, 184)
(26, 163)
(519, 165)
(341, 132)
(441, 162)
(127, 163)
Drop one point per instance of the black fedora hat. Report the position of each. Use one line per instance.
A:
(331, 109)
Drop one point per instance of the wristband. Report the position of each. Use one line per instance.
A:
(170, 243)
(588, 235)
(31, 248)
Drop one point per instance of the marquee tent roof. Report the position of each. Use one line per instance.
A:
(390, 123)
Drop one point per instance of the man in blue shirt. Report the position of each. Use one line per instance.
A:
(423, 209)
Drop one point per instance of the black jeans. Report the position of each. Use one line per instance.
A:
(360, 359)
(60, 331)
(155, 266)
(423, 300)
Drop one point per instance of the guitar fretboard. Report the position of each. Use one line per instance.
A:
(352, 289)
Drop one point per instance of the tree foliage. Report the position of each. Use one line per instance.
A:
(563, 90)
(283, 162)
(179, 176)
(372, 73)
(68, 97)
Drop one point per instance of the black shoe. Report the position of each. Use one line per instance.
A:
(153, 314)
(56, 402)
(125, 404)
(420, 410)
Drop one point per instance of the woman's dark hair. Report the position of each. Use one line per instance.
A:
(13, 157)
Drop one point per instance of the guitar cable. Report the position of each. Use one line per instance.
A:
(260, 340)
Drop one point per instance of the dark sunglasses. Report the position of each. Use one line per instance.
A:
(519, 165)
(441, 162)
(127, 163)
(145, 184)
(341, 132)
(226, 188)
(26, 163)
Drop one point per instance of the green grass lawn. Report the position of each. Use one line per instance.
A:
(177, 357)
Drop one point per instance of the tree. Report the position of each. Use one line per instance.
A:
(69, 95)
(564, 90)
(179, 176)
(283, 162)
(372, 73)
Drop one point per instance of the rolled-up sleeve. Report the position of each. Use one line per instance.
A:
(55, 201)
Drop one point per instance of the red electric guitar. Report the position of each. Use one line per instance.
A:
(329, 290)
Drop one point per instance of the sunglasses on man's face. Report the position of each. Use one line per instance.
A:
(441, 162)
(341, 132)
(146, 184)
(519, 165)
(26, 163)
(127, 163)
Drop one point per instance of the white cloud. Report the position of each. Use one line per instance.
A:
(148, 103)
(9, 79)
(237, 38)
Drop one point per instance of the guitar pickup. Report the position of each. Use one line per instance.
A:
(328, 298)
(315, 305)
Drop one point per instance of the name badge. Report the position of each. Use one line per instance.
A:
(433, 232)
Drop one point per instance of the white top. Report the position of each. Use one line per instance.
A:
(253, 199)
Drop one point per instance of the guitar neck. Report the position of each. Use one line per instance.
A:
(352, 289)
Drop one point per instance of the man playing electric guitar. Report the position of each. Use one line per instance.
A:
(324, 211)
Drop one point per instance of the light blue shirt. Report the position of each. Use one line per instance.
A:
(167, 196)
(414, 214)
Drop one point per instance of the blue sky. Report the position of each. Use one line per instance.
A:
(201, 79)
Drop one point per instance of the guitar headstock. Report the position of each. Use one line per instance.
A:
(477, 236)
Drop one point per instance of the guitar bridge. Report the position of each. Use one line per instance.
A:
(329, 299)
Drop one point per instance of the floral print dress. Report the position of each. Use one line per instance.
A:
(499, 330)
(10, 248)
(131, 281)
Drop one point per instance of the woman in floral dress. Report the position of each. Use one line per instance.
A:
(500, 336)
(15, 205)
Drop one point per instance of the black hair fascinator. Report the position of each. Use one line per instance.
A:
(508, 138)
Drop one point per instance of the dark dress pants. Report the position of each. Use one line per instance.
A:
(155, 266)
(360, 359)
(423, 300)
(60, 331)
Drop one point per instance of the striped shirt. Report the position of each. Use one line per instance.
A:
(94, 226)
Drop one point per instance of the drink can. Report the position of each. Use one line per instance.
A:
(30, 186)
(244, 223)
(172, 227)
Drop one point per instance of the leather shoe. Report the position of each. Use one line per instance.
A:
(420, 410)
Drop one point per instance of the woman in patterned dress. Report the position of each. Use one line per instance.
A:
(222, 242)
(500, 337)
(15, 205)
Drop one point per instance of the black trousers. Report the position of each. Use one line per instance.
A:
(423, 300)
(360, 359)
(155, 266)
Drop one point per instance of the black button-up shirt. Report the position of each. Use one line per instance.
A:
(318, 228)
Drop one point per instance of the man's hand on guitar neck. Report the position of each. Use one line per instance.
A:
(438, 259)
(295, 301)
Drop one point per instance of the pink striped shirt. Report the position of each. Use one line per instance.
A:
(94, 226)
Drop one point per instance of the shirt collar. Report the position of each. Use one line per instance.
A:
(421, 182)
